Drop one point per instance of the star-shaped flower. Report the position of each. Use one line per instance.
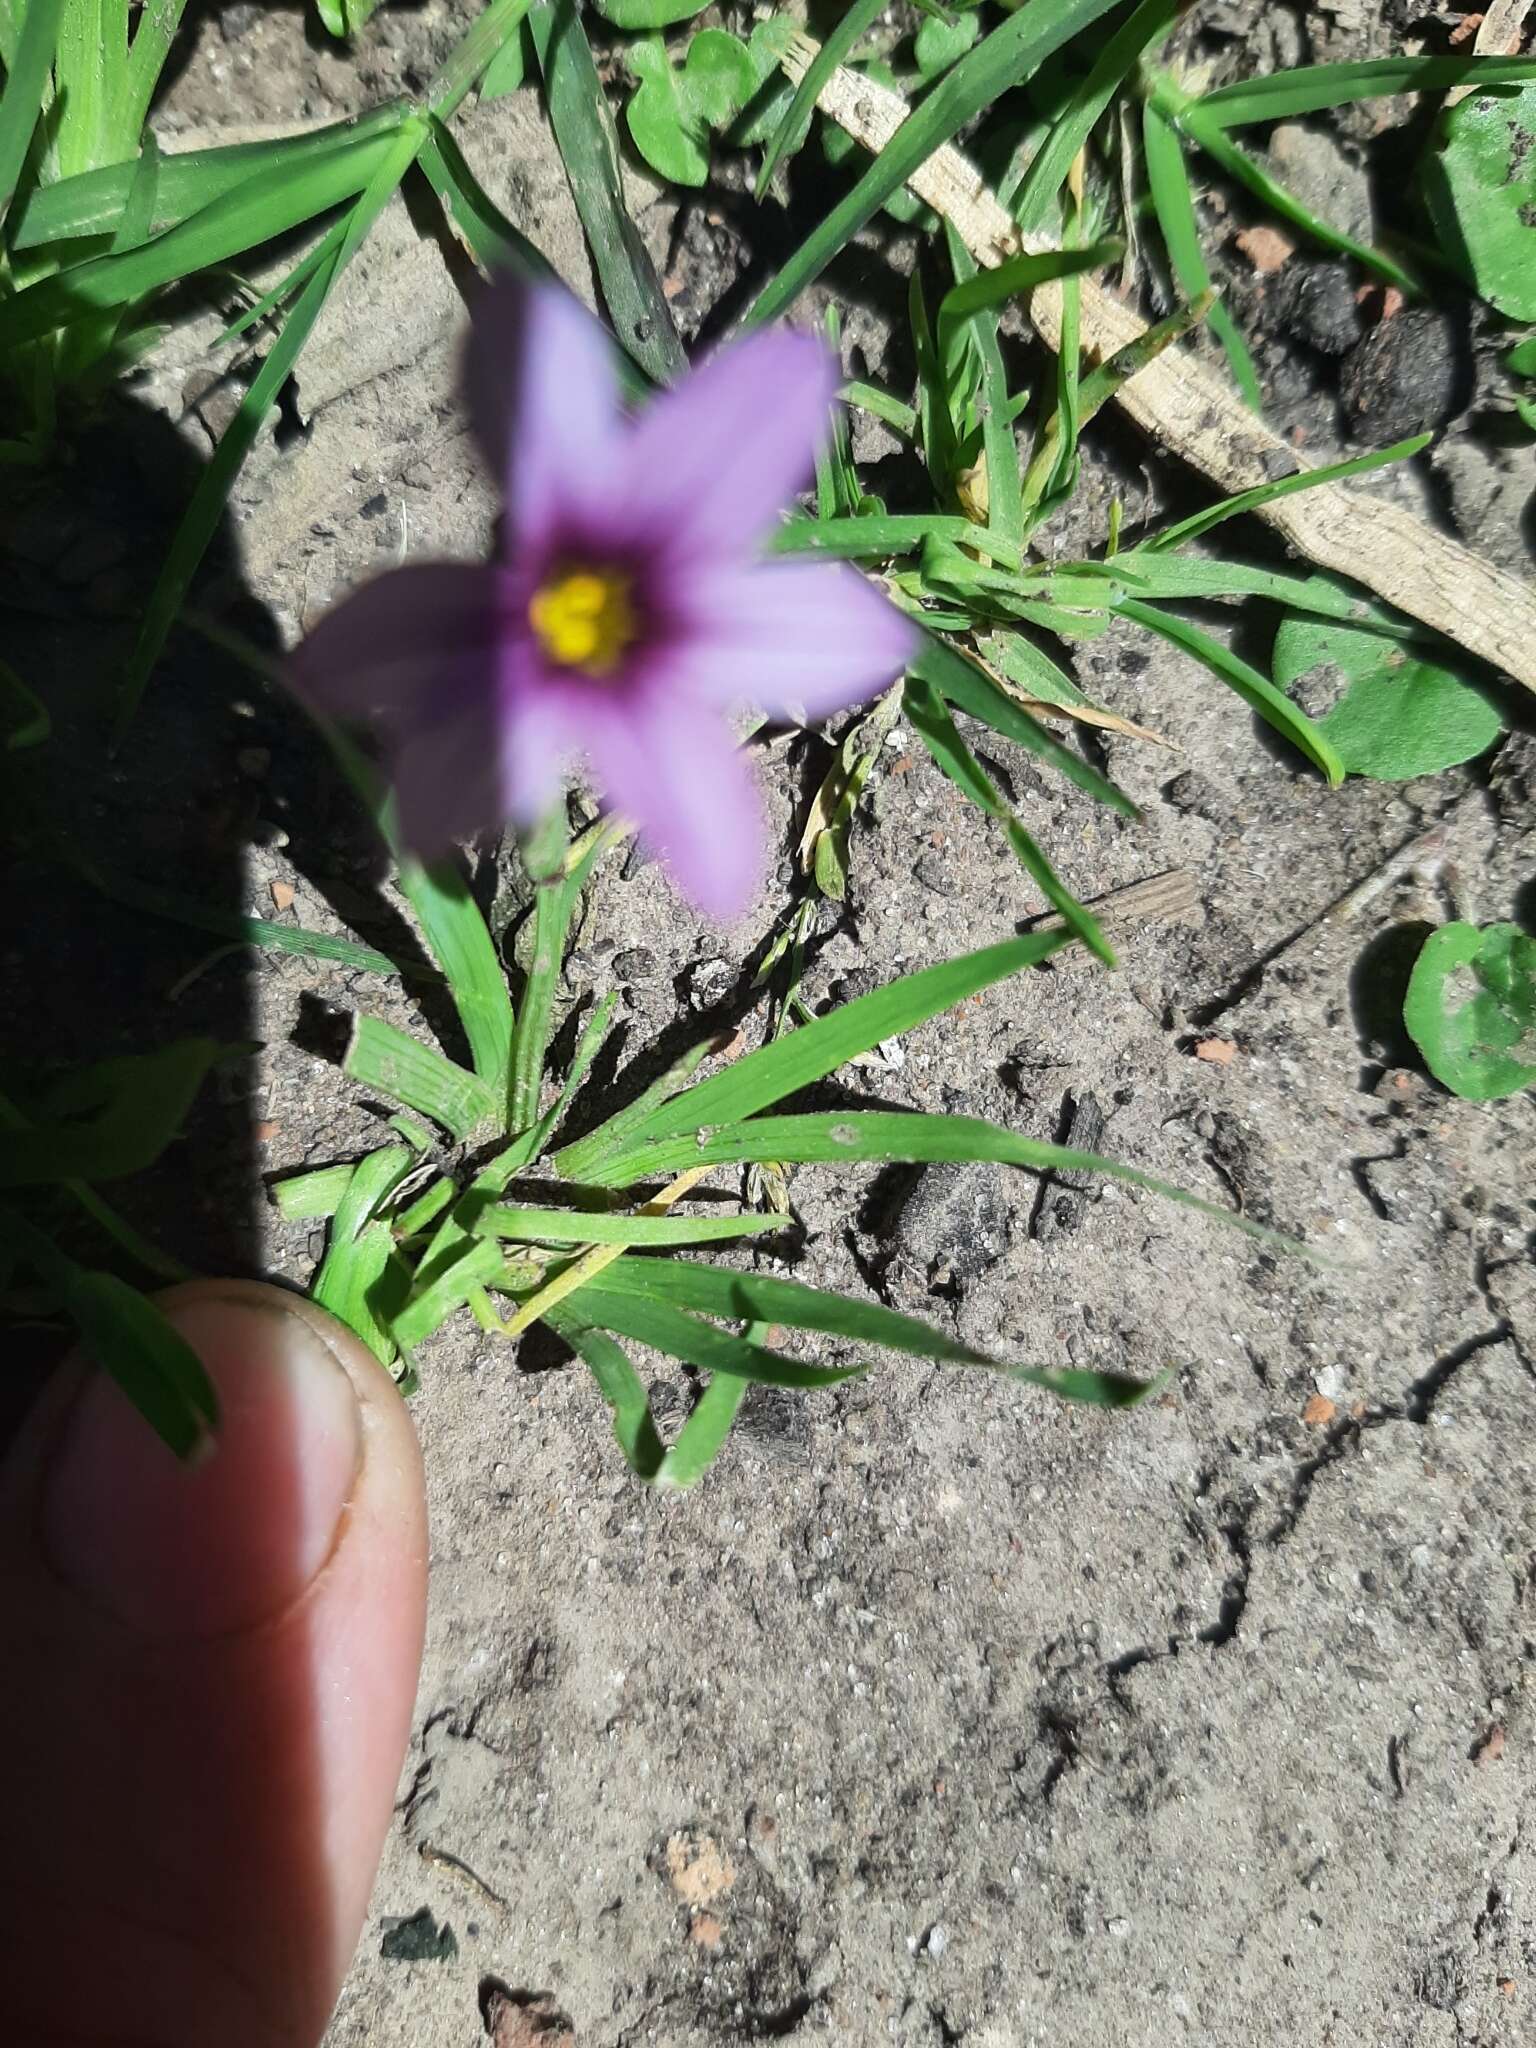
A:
(632, 609)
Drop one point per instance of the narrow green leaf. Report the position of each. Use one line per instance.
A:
(1023, 274)
(842, 36)
(621, 1387)
(1238, 164)
(574, 1226)
(24, 717)
(1309, 89)
(1006, 57)
(442, 1287)
(154, 1364)
(254, 212)
(26, 80)
(936, 729)
(1174, 204)
(154, 32)
(389, 1060)
(555, 899)
(109, 1119)
(92, 202)
(718, 1291)
(875, 537)
(971, 690)
(583, 125)
(1257, 691)
(301, 1197)
(459, 941)
(647, 1320)
(473, 55)
(700, 1439)
(1080, 115)
(1283, 487)
(791, 1063)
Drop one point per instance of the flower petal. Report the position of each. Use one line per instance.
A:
(544, 400)
(382, 648)
(797, 639)
(447, 767)
(714, 461)
(672, 768)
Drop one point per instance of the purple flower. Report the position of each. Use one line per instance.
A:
(632, 607)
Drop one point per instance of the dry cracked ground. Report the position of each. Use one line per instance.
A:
(940, 1713)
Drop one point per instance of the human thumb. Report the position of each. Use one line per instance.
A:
(210, 1675)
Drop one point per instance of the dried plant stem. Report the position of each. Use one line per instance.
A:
(1187, 407)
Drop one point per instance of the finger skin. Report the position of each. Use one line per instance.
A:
(193, 1825)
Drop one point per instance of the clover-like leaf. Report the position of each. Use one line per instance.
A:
(676, 105)
(649, 14)
(1400, 715)
(938, 43)
(1481, 184)
(1471, 1009)
(769, 41)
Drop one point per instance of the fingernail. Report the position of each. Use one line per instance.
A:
(174, 1550)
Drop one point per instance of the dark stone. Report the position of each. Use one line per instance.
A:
(935, 873)
(955, 1223)
(635, 963)
(1314, 298)
(1405, 377)
(418, 1940)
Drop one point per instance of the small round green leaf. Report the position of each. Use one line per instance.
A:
(1522, 358)
(1471, 1009)
(676, 106)
(1400, 716)
(1481, 184)
(938, 44)
(649, 14)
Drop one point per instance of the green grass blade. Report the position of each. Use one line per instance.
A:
(795, 126)
(873, 537)
(392, 156)
(451, 1283)
(154, 1364)
(718, 1291)
(934, 726)
(673, 1331)
(137, 222)
(1283, 487)
(476, 50)
(621, 1387)
(555, 900)
(1192, 577)
(571, 1226)
(1022, 274)
(1005, 58)
(1174, 204)
(1005, 499)
(493, 241)
(1083, 110)
(584, 130)
(791, 1063)
(701, 1437)
(970, 689)
(92, 202)
(384, 1058)
(574, 1159)
(1238, 164)
(1310, 89)
(201, 518)
(26, 81)
(152, 38)
(459, 941)
(109, 1119)
(1257, 691)
(306, 1197)
(257, 210)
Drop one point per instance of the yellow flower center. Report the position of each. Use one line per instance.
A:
(583, 618)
